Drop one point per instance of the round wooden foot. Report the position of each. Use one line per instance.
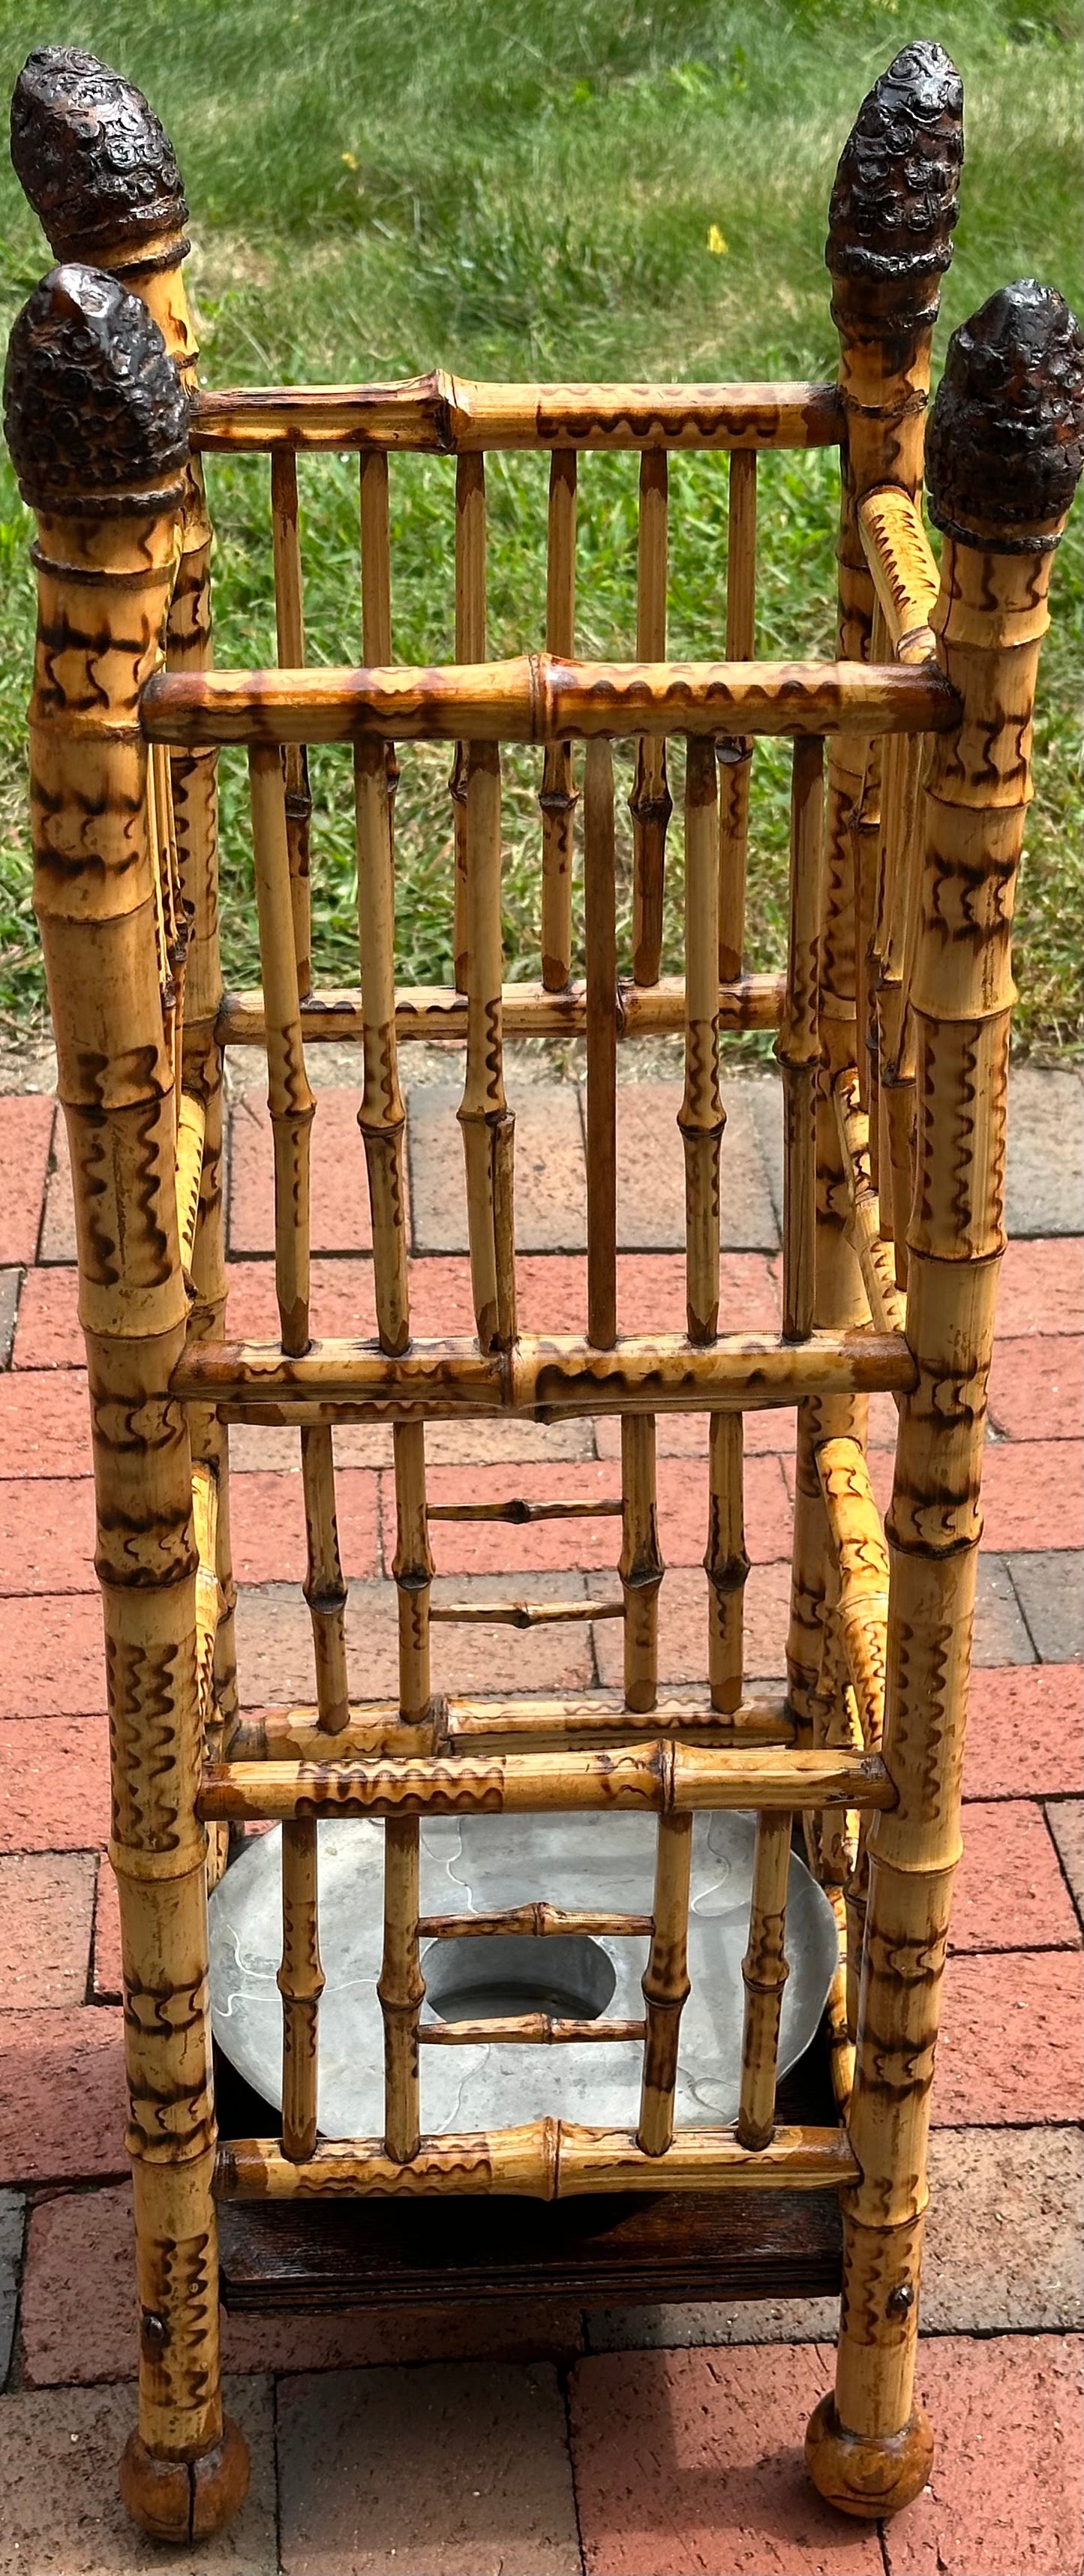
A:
(184, 2500)
(863, 2473)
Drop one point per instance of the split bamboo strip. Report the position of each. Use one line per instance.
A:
(521, 1510)
(665, 1982)
(726, 1561)
(484, 1116)
(324, 1587)
(764, 1974)
(897, 550)
(470, 646)
(867, 842)
(735, 751)
(600, 937)
(440, 414)
(640, 1564)
(300, 1982)
(542, 1376)
(701, 1116)
(401, 1989)
(525, 2030)
(104, 582)
(861, 1608)
(433, 1011)
(558, 800)
(376, 583)
(798, 1046)
(191, 1129)
(650, 802)
(377, 1726)
(548, 2160)
(538, 698)
(895, 1040)
(413, 1571)
(523, 1614)
(290, 636)
(290, 1100)
(539, 1921)
(208, 1594)
(1004, 455)
(887, 1308)
(381, 1117)
(653, 1777)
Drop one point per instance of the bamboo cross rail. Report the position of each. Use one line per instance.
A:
(910, 780)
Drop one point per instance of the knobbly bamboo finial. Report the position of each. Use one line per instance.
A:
(95, 413)
(92, 157)
(1005, 445)
(895, 199)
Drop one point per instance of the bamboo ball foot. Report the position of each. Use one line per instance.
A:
(867, 2474)
(183, 2500)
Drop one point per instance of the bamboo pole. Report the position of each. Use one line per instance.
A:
(764, 1974)
(887, 1307)
(1004, 455)
(290, 632)
(735, 751)
(653, 1778)
(381, 1117)
(600, 933)
(375, 537)
(893, 207)
(440, 414)
(486, 1121)
(376, 1726)
(726, 1560)
(650, 802)
(104, 581)
(470, 646)
(903, 569)
(665, 1982)
(558, 799)
(527, 2030)
(301, 1983)
(433, 1011)
(701, 1117)
(640, 1565)
(546, 2160)
(798, 1046)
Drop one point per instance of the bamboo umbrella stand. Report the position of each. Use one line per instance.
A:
(681, 2153)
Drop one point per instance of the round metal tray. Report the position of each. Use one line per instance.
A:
(475, 1865)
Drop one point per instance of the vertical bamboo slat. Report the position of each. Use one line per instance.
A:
(726, 1560)
(301, 1984)
(764, 1973)
(798, 1046)
(289, 1097)
(381, 1117)
(470, 646)
(600, 933)
(665, 1982)
(641, 1566)
(650, 802)
(1005, 450)
(104, 580)
(290, 631)
(376, 582)
(701, 1116)
(558, 800)
(735, 751)
(484, 1116)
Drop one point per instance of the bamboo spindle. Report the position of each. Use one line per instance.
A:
(798, 1046)
(640, 1565)
(735, 751)
(1004, 456)
(600, 936)
(104, 581)
(701, 1117)
(545, 2160)
(904, 762)
(764, 1974)
(290, 632)
(470, 646)
(726, 1560)
(300, 1982)
(893, 207)
(381, 1117)
(650, 802)
(400, 1989)
(665, 1982)
(67, 112)
(376, 582)
(558, 799)
(484, 1116)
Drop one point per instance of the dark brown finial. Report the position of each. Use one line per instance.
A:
(95, 412)
(1005, 443)
(92, 157)
(895, 198)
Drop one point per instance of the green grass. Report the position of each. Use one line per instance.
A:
(525, 190)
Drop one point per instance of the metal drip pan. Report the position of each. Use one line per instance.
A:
(476, 1865)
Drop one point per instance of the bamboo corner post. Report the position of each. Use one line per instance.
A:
(1004, 455)
(892, 211)
(102, 178)
(96, 417)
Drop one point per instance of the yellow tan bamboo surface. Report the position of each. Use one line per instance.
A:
(526, 2030)
(441, 414)
(290, 633)
(301, 1983)
(661, 1778)
(1001, 476)
(665, 1982)
(558, 800)
(764, 1975)
(400, 1989)
(540, 1920)
(542, 1376)
(523, 1614)
(640, 1565)
(600, 939)
(902, 831)
(798, 1046)
(875, 1256)
(484, 1116)
(377, 1726)
(537, 698)
(375, 536)
(726, 1561)
(650, 801)
(191, 1130)
(546, 2160)
(381, 1117)
(735, 751)
(470, 646)
(208, 1594)
(701, 1116)
(868, 844)
(901, 562)
(433, 1011)
(324, 1587)
(861, 1557)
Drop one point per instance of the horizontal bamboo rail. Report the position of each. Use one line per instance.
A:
(540, 1376)
(378, 1726)
(436, 1011)
(525, 2030)
(546, 2160)
(523, 1614)
(445, 415)
(905, 576)
(651, 1778)
(540, 1921)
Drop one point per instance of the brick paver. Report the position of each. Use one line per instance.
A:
(1065, 1817)
(10, 1283)
(62, 2099)
(61, 2514)
(551, 1187)
(1037, 1388)
(1010, 2044)
(12, 2232)
(1005, 2490)
(56, 1781)
(1049, 1586)
(59, 1668)
(1025, 1731)
(44, 1423)
(1010, 1893)
(46, 1912)
(26, 1128)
